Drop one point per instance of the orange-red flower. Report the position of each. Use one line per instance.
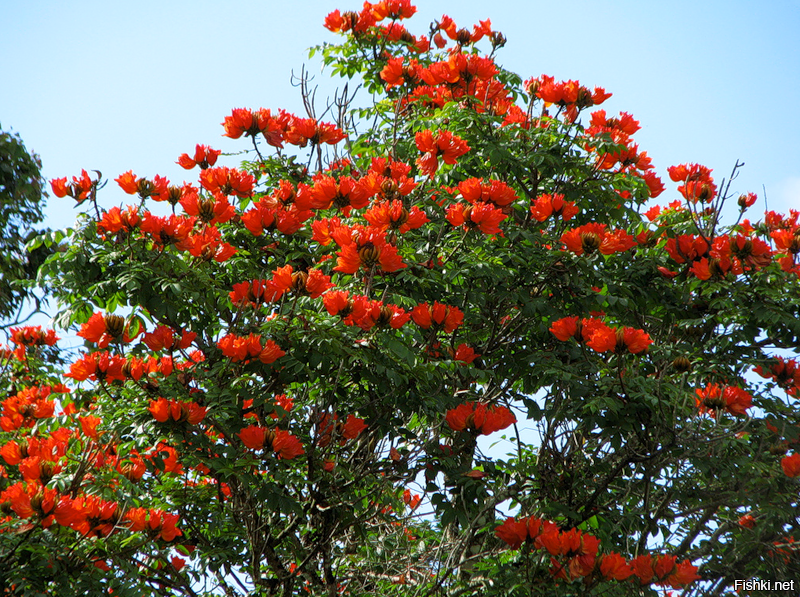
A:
(476, 190)
(164, 410)
(365, 247)
(785, 372)
(227, 181)
(204, 156)
(115, 220)
(244, 121)
(345, 194)
(613, 565)
(168, 230)
(165, 338)
(104, 329)
(748, 521)
(482, 216)
(156, 523)
(208, 244)
(352, 427)
(480, 417)
(79, 189)
(791, 465)
(438, 316)
(209, 210)
(301, 131)
(594, 237)
(445, 144)
(282, 442)
(566, 328)
(547, 205)
(97, 366)
(714, 398)
(238, 348)
(465, 354)
(698, 183)
(392, 215)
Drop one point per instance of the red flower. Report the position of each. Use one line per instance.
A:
(204, 156)
(353, 427)
(208, 245)
(367, 314)
(444, 144)
(613, 565)
(475, 190)
(164, 410)
(270, 353)
(209, 210)
(512, 532)
(393, 215)
(132, 185)
(632, 340)
(286, 445)
(747, 521)
(239, 348)
(227, 181)
(164, 338)
(683, 574)
(283, 443)
(593, 237)
(97, 366)
(365, 247)
(438, 316)
(547, 205)
(791, 465)
(713, 398)
(345, 194)
(79, 189)
(243, 121)
(480, 417)
(169, 230)
(411, 500)
(483, 216)
(465, 354)
(654, 184)
(253, 437)
(301, 131)
(89, 425)
(598, 336)
(566, 328)
(115, 220)
(104, 329)
(687, 248)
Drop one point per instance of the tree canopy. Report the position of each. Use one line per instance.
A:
(297, 371)
(22, 200)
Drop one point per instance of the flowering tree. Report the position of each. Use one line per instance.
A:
(288, 366)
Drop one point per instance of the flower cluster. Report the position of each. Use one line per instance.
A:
(574, 554)
(361, 311)
(593, 237)
(280, 441)
(239, 348)
(714, 398)
(444, 144)
(600, 337)
(479, 417)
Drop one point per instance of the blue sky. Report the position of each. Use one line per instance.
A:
(114, 86)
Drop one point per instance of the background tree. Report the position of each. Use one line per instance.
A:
(290, 366)
(22, 198)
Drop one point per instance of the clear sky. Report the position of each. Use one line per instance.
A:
(113, 86)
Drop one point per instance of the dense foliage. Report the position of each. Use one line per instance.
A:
(21, 203)
(290, 366)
